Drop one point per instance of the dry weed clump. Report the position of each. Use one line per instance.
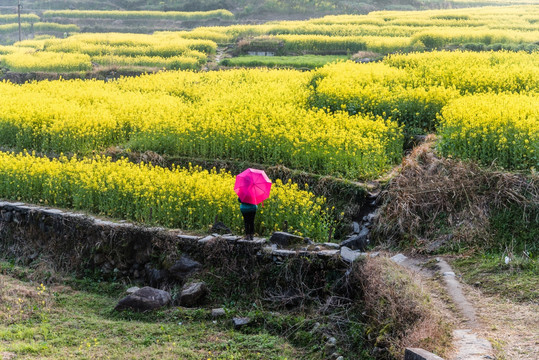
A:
(441, 199)
(398, 311)
(20, 303)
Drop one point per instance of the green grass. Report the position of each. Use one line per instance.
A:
(61, 322)
(305, 61)
(517, 281)
(514, 234)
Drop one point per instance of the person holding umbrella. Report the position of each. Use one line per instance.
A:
(252, 187)
(249, 212)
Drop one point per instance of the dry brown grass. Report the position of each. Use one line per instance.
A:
(433, 197)
(512, 329)
(365, 54)
(19, 302)
(399, 310)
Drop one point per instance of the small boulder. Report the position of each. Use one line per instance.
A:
(207, 239)
(399, 258)
(144, 299)
(133, 289)
(240, 322)
(219, 312)
(286, 239)
(359, 241)
(193, 294)
(349, 255)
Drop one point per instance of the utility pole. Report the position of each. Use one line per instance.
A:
(19, 6)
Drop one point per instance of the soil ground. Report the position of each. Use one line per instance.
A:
(511, 328)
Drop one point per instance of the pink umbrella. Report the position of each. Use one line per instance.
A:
(252, 186)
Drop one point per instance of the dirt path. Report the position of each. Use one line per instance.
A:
(486, 327)
(512, 328)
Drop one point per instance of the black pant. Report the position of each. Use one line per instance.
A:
(249, 220)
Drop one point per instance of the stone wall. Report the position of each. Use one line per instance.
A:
(76, 242)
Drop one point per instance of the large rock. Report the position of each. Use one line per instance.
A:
(144, 299)
(193, 294)
(349, 255)
(286, 239)
(359, 241)
(184, 267)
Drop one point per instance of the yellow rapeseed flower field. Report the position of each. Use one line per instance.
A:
(249, 115)
(187, 198)
(501, 129)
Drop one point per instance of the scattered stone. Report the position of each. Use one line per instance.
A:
(419, 354)
(286, 239)
(349, 255)
(188, 237)
(331, 341)
(52, 211)
(7, 216)
(219, 312)
(231, 238)
(255, 241)
(144, 299)
(449, 273)
(17, 217)
(355, 227)
(220, 227)
(374, 254)
(240, 322)
(359, 241)
(133, 289)
(193, 294)
(330, 346)
(399, 258)
(283, 252)
(327, 253)
(206, 239)
(331, 245)
(184, 267)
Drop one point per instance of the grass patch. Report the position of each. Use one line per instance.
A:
(304, 61)
(518, 280)
(58, 322)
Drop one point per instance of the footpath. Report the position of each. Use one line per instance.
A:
(467, 340)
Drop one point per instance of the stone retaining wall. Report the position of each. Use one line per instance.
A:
(71, 241)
